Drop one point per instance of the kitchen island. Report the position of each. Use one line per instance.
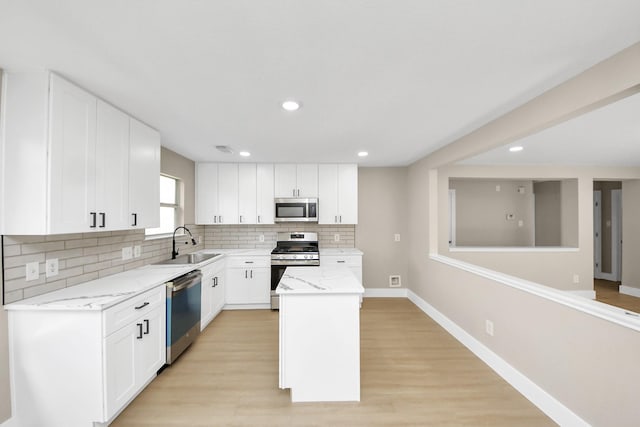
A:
(320, 334)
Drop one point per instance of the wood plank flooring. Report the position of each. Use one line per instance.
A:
(413, 373)
(608, 292)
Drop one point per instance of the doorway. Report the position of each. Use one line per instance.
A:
(607, 230)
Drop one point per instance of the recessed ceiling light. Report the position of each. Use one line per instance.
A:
(291, 105)
(516, 148)
(245, 153)
(363, 154)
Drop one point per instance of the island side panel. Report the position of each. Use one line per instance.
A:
(320, 347)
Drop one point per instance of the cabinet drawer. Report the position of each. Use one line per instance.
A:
(249, 262)
(126, 312)
(349, 261)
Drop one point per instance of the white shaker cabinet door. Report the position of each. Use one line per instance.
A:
(206, 193)
(112, 167)
(348, 193)
(72, 158)
(120, 368)
(285, 180)
(265, 208)
(228, 193)
(247, 193)
(328, 194)
(151, 350)
(307, 180)
(144, 176)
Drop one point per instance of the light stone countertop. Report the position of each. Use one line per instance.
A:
(319, 280)
(101, 294)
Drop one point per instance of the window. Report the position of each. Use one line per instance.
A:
(170, 206)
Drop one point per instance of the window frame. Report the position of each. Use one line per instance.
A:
(178, 210)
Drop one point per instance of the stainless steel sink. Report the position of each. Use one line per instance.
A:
(189, 259)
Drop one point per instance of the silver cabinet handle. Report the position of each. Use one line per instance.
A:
(215, 219)
(336, 220)
(251, 273)
(294, 192)
(135, 219)
(93, 219)
(341, 261)
(340, 219)
(246, 274)
(258, 219)
(240, 218)
(248, 262)
(220, 219)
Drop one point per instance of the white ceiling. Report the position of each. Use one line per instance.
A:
(608, 136)
(396, 78)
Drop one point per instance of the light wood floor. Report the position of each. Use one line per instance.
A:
(608, 292)
(413, 373)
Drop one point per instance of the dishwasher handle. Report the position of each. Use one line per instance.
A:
(187, 281)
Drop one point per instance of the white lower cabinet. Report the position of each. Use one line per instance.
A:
(353, 262)
(96, 361)
(248, 282)
(213, 293)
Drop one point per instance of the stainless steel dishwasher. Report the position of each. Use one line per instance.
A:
(183, 313)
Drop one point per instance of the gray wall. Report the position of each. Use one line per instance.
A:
(557, 347)
(481, 212)
(382, 201)
(548, 213)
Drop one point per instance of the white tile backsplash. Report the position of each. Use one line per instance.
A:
(89, 256)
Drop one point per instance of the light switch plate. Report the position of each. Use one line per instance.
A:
(51, 267)
(32, 271)
(137, 251)
(396, 237)
(336, 237)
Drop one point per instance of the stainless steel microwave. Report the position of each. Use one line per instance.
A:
(296, 209)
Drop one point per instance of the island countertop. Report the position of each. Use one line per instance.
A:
(319, 280)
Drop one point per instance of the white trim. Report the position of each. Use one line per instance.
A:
(584, 294)
(385, 293)
(616, 234)
(594, 308)
(246, 306)
(513, 249)
(628, 290)
(543, 400)
(597, 234)
(452, 217)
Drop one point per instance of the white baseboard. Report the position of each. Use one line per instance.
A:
(584, 294)
(628, 290)
(385, 292)
(536, 395)
(8, 423)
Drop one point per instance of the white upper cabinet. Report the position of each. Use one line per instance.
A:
(112, 167)
(265, 208)
(247, 193)
(66, 155)
(144, 176)
(72, 160)
(217, 193)
(338, 194)
(296, 180)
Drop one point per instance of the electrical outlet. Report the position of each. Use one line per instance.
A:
(520, 223)
(261, 237)
(497, 188)
(199, 240)
(488, 326)
(32, 271)
(127, 253)
(137, 251)
(51, 267)
(336, 237)
(396, 237)
(576, 279)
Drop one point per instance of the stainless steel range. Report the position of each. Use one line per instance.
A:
(295, 249)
